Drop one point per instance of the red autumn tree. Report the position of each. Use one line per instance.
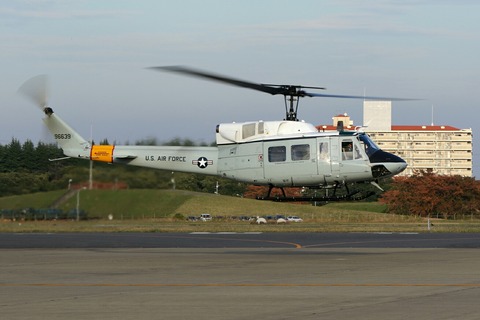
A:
(427, 194)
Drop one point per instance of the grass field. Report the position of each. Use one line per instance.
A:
(158, 211)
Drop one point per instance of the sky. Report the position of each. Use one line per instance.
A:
(96, 55)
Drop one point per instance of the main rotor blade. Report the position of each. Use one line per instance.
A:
(358, 97)
(286, 90)
(220, 78)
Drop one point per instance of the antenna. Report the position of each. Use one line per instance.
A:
(432, 115)
(90, 171)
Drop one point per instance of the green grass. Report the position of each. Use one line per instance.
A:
(360, 206)
(128, 204)
(154, 211)
(142, 204)
(33, 200)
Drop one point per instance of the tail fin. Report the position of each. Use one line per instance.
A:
(72, 144)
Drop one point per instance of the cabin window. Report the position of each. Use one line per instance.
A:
(323, 154)
(248, 130)
(347, 150)
(277, 154)
(300, 152)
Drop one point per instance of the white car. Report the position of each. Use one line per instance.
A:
(294, 219)
(205, 217)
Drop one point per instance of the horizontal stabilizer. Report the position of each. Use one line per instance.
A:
(125, 156)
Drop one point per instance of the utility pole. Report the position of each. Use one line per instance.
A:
(78, 203)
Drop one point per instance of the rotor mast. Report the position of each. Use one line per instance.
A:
(291, 107)
(292, 95)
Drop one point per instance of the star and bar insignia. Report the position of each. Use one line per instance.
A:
(202, 162)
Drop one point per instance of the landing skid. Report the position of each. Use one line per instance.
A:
(353, 196)
(350, 196)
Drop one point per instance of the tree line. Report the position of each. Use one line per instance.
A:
(25, 168)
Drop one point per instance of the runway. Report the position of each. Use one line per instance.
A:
(269, 276)
(239, 240)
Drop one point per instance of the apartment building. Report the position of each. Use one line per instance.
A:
(445, 150)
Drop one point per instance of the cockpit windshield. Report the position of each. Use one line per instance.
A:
(370, 146)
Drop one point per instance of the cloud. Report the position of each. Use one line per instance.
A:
(56, 10)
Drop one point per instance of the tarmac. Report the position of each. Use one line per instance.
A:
(240, 283)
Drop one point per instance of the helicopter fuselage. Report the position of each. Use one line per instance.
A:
(274, 153)
(287, 154)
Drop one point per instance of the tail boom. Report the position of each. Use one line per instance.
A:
(174, 158)
(72, 144)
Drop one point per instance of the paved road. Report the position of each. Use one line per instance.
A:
(239, 240)
(239, 276)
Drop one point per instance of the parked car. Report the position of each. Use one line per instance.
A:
(294, 219)
(205, 217)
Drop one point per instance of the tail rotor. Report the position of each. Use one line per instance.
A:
(72, 143)
(36, 89)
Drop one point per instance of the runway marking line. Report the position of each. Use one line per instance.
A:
(225, 232)
(295, 245)
(328, 244)
(464, 285)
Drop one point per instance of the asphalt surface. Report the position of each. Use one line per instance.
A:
(239, 240)
(239, 276)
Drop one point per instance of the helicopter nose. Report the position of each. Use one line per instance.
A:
(386, 164)
(395, 167)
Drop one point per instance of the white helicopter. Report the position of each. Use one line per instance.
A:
(278, 154)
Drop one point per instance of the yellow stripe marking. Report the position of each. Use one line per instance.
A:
(469, 285)
(102, 153)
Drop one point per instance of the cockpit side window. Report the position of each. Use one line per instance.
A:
(356, 153)
(347, 150)
(370, 146)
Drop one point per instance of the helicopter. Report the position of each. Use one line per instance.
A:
(277, 154)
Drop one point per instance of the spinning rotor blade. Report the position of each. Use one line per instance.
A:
(291, 93)
(358, 97)
(216, 77)
(36, 89)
